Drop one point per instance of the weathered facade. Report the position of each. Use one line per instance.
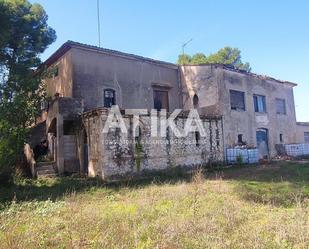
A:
(116, 154)
(236, 108)
(214, 85)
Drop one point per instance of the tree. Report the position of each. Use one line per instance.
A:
(227, 56)
(184, 59)
(24, 35)
(198, 58)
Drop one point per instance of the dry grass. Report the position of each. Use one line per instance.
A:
(206, 212)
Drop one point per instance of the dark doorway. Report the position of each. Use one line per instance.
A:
(262, 143)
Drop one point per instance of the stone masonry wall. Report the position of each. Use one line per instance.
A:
(116, 154)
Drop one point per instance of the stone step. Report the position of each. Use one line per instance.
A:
(45, 167)
(41, 164)
(46, 171)
(52, 175)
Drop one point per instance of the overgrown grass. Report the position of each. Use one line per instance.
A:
(242, 207)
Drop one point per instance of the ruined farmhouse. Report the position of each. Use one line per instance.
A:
(237, 108)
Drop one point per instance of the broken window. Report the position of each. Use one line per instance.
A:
(306, 135)
(109, 98)
(160, 98)
(280, 106)
(237, 100)
(195, 101)
(259, 103)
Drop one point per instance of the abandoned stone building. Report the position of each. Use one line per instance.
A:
(236, 108)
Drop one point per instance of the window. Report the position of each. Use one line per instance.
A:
(240, 139)
(138, 136)
(55, 71)
(160, 98)
(109, 98)
(195, 101)
(197, 138)
(280, 106)
(306, 135)
(218, 137)
(281, 138)
(237, 100)
(259, 103)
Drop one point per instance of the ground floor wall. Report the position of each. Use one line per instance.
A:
(115, 154)
(252, 130)
(79, 145)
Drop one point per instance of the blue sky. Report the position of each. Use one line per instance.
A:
(272, 35)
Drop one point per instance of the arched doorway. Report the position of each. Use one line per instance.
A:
(262, 143)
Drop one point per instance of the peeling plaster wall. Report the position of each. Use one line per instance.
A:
(95, 146)
(213, 83)
(247, 122)
(202, 81)
(132, 80)
(63, 83)
(115, 154)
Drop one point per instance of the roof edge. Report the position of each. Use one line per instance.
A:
(72, 44)
(303, 123)
(233, 69)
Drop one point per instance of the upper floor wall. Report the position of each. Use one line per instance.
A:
(60, 81)
(200, 88)
(267, 104)
(248, 103)
(101, 79)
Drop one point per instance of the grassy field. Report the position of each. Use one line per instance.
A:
(242, 207)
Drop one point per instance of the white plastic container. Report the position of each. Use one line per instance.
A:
(296, 150)
(248, 156)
